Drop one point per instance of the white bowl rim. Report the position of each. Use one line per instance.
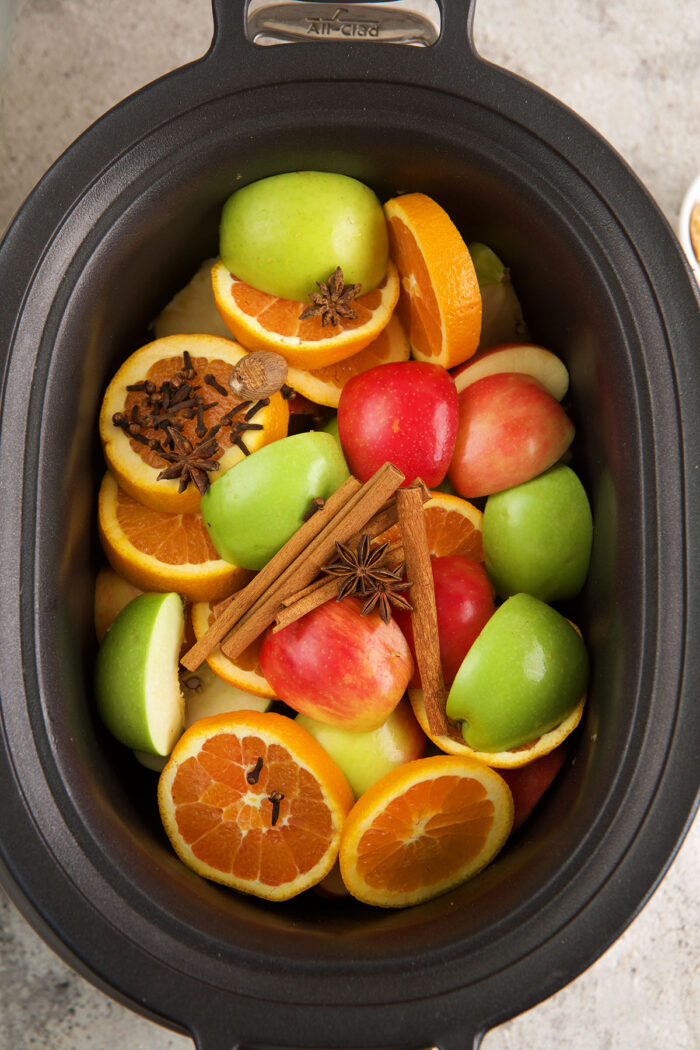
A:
(691, 198)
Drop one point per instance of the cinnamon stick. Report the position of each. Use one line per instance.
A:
(424, 618)
(244, 599)
(351, 518)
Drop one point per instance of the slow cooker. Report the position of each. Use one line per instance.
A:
(111, 232)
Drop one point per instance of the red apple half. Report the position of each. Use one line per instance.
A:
(510, 430)
(527, 358)
(339, 666)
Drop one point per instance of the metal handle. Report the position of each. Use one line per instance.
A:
(332, 41)
(416, 22)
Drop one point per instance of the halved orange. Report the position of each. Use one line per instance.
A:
(440, 302)
(263, 322)
(251, 800)
(245, 671)
(424, 828)
(135, 464)
(324, 386)
(156, 551)
(453, 742)
(453, 525)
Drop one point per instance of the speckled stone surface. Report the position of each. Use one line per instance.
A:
(630, 67)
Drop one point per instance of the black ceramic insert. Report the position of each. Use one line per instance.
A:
(112, 231)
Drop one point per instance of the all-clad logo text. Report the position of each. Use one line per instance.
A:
(338, 25)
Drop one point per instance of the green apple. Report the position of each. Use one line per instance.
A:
(526, 671)
(136, 682)
(285, 233)
(331, 427)
(537, 536)
(501, 314)
(207, 694)
(364, 757)
(253, 509)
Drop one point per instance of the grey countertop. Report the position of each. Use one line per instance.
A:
(629, 67)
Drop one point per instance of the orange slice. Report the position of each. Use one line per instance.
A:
(423, 829)
(156, 551)
(262, 322)
(453, 525)
(453, 743)
(135, 465)
(440, 302)
(251, 800)
(323, 386)
(245, 673)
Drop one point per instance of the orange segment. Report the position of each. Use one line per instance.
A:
(440, 302)
(244, 672)
(156, 551)
(251, 800)
(453, 526)
(323, 386)
(423, 829)
(135, 465)
(453, 742)
(262, 322)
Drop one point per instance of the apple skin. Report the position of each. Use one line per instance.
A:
(338, 666)
(285, 233)
(253, 509)
(464, 600)
(510, 430)
(537, 536)
(526, 672)
(405, 413)
(529, 783)
(365, 757)
(527, 358)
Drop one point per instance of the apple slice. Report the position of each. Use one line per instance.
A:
(136, 680)
(527, 358)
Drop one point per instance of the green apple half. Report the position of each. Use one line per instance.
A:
(537, 536)
(526, 671)
(364, 757)
(253, 509)
(285, 233)
(136, 676)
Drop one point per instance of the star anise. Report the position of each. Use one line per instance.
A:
(364, 577)
(387, 592)
(333, 300)
(190, 462)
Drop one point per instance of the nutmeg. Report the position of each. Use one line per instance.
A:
(259, 374)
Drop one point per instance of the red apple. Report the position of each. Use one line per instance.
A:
(529, 783)
(527, 358)
(510, 430)
(464, 599)
(339, 666)
(405, 413)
